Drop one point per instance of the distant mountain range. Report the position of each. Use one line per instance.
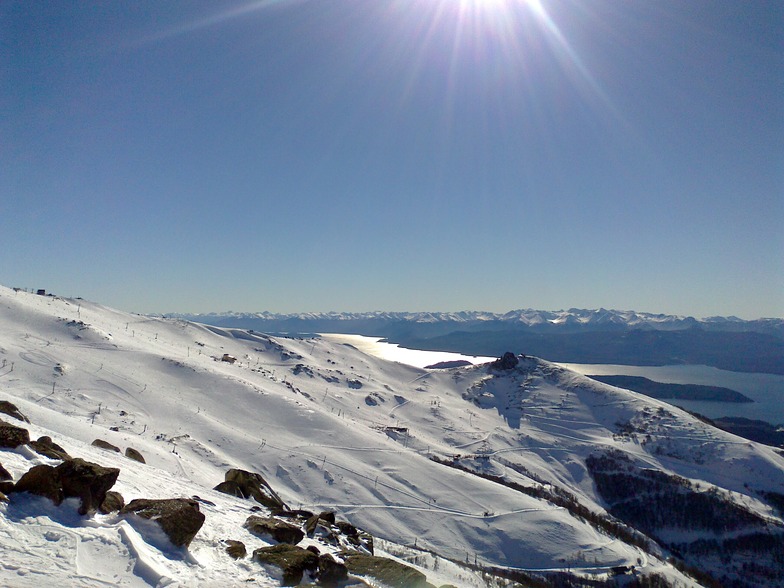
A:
(561, 321)
(574, 335)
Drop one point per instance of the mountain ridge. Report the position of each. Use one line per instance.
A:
(573, 336)
(525, 442)
(573, 318)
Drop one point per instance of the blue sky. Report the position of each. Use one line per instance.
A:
(396, 154)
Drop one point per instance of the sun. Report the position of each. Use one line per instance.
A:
(491, 5)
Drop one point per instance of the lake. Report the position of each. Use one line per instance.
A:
(767, 390)
(379, 347)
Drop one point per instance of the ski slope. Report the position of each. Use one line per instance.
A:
(330, 428)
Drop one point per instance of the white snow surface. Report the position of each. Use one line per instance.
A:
(329, 428)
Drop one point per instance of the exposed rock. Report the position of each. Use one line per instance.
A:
(330, 572)
(179, 518)
(105, 445)
(386, 571)
(293, 561)
(113, 502)
(313, 521)
(280, 531)
(11, 410)
(356, 538)
(232, 489)
(328, 516)
(88, 481)
(347, 528)
(5, 474)
(12, 436)
(507, 362)
(3, 497)
(48, 448)
(6, 487)
(300, 515)
(131, 453)
(310, 525)
(41, 480)
(235, 549)
(201, 500)
(251, 485)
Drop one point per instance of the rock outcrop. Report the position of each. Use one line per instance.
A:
(507, 362)
(280, 531)
(331, 573)
(41, 480)
(105, 445)
(387, 571)
(313, 521)
(293, 561)
(88, 481)
(11, 410)
(180, 518)
(73, 478)
(244, 484)
(235, 549)
(113, 502)
(48, 448)
(133, 454)
(12, 436)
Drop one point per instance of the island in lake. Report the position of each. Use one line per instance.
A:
(665, 391)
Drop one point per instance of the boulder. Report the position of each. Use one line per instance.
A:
(356, 537)
(347, 529)
(11, 410)
(113, 502)
(179, 518)
(311, 524)
(330, 572)
(48, 448)
(88, 481)
(299, 514)
(293, 561)
(232, 489)
(105, 445)
(41, 480)
(5, 474)
(131, 453)
(314, 520)
(280, 531)
(328, 516)
(389, 572)
(235, 549)
(507, 362)
(252, 485)
(6, 487)
(3, 497)
(12, 436)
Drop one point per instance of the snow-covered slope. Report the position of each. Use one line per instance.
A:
(388, 447)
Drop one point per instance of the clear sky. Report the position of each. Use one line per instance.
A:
(354, 155)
